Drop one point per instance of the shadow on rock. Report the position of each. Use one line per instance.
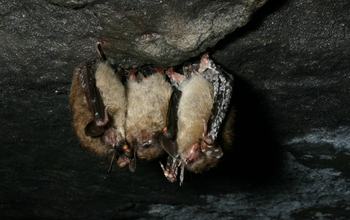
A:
(271, 7)
(256, 157)
(255, 154)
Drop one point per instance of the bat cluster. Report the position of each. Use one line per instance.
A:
(146, 112)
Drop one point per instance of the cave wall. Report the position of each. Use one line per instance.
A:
(290, 60)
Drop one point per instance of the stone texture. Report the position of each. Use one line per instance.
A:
(302, 77)
(41, 43)
(166, 33)
(291, 158)
(71, 3)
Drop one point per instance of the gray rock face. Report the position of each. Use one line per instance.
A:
(71, 3)
(167, 33)
(41, 42)
(301, 76)
(46, 41)
(292, 78)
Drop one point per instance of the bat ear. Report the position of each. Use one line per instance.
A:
(171, 148)
(165, 139)
(93, 130)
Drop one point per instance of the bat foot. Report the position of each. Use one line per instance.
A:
(132, 74)
(140, 75)
(189, 69)
(204, 63)
(175, 78)
(159, 70)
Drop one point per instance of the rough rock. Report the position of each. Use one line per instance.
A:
(166, 33)
(71, 3)
(291, 157)
(302, 77)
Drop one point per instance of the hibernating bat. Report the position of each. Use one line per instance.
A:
(98, 104)
(148, 95)
(190, 118)
(202, 119)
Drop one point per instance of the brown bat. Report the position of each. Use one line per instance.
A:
(201, 111)
(148, 95)
(98, 105)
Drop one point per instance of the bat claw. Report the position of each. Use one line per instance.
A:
(175, 78)
(143, 78)
(98, 49)
(132, 74)
(189, 69)
(204, 62)
(159, 70)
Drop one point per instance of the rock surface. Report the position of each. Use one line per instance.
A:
(166, 33)
(291, 158)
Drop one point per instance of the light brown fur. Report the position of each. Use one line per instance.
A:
(113, 94)
(81, 116)
(195, 105)
(147, 108)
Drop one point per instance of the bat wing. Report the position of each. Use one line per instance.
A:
(94, 101)
(223, 84)
(170, 145)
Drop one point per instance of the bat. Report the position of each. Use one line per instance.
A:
(98, 104)
(206, 91)
(148, 95)
(189, 118)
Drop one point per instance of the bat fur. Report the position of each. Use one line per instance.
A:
(147, 106)
(113, 94)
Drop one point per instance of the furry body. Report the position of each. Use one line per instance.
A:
(147, 107)
(195, 105)
(205, 118)
(113, 95)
